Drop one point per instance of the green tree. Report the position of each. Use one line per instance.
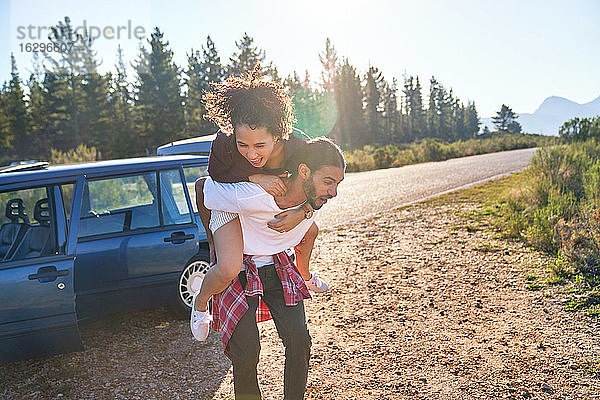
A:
(40, 143)
(514, 127)
(458, 120)
(373, 101)
(329, 62)
(350, 126)
(439, 114)
(503, 119)
(391, 114)
(246, 57)
(5, 131)
(158, 116)
(63, 85)
(124, 139)
(16, 110)
(203, 68)
(315, 111)
(292, 83)
(78, 111)
(413, 100)
(95, 121)
(433, 114)
(472, 121)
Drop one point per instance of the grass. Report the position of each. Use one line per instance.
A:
(487, 248)
(534, 287)
(493, 212)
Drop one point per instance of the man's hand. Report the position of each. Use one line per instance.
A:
(286, 220)
(271, 183)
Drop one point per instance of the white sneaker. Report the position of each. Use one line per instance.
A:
(316, 284)
(199, 321)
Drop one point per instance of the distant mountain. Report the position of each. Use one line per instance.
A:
(551, 114)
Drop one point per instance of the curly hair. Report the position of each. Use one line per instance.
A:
(252, 101)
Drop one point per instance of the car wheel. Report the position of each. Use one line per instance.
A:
(189, 283)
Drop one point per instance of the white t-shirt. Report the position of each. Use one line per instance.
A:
(255, 208)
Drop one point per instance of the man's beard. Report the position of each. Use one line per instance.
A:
(311, 193)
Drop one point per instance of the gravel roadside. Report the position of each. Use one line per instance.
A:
(424, 304)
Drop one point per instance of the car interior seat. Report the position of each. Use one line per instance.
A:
(11, 233)
(37, 240)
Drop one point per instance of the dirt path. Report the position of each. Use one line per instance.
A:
(425, 305)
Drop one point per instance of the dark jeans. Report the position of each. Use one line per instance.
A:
(244, 345)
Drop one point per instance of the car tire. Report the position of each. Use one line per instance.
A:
(188, 283)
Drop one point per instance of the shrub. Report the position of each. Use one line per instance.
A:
(81, 153)
(561, 211)
(430, 150)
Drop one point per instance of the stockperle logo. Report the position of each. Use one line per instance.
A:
(109, 32)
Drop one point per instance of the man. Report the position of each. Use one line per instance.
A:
(270, 278)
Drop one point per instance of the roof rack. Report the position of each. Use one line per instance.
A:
(28, 166)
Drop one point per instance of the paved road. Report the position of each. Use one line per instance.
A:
(366, 194)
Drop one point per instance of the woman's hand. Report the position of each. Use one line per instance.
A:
(286, 220)
(212, 256)
(271, 183)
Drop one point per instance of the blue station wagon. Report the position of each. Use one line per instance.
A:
(83, 240)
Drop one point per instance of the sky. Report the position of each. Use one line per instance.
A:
(491, 52)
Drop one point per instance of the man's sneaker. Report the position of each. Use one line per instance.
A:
(316, 284)
(200, 321)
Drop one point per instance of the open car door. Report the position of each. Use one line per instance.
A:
(37, 300)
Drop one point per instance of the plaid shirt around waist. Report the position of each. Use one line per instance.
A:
(229, 306)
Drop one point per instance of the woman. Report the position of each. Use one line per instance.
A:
(255, 119)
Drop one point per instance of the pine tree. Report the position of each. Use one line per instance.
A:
(124, 141)
(194, 110)
(95, 122)
(458, 120)
(503, 119)
(514, 127)
(66, 97)
(58, 108)
(202, 70)
(349, 127)
(471, 121)
(292, 83)
(329, 62)
(306, 82)
(315, 111)
(159, 116)
(246, 57)
(391, 114)
(212, 69)
(418, 113)
(40, 143)
(373, 97)
(6, 137)
(416, 128)
(16, 110)
(445, 102)
(439, 114)
(77, 107)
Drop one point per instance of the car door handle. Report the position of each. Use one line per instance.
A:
(179, 237)
(48, 274)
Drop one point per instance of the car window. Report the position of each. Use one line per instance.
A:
(175, 208)
(67, 196)
(119, 204)
(27, 224)
(191, 174)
